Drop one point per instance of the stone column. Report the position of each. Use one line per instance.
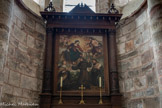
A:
(114, 82)
(46, 95)
(155, 14)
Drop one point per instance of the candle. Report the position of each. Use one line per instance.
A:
(99, 81)
(61, 82)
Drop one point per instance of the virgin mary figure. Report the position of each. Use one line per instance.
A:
(73, 52)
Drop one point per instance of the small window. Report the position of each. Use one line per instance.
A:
(68, 5)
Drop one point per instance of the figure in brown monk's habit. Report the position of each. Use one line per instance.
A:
(96, 72)
(82, 66)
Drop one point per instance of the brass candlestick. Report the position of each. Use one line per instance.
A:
(60, 100)
(100, 101)
(82, 88)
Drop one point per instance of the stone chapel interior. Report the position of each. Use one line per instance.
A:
(81, 53)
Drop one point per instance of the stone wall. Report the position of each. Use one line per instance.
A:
(58, 4)
(131, 7)
(102, 6)
(136, 62)
(22, 54)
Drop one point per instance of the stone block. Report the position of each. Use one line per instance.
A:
(35, 62)
(19, 23)
(7, 89)
(121, 39)
(136, 62)
(1, 77)
(141, 19)
(17, 91)
(129, 86)
(152, 102)
(39, 87)
(4, 34)
(27, 93)
(19, 35)
(39, 73)
(13, 41)
(19, 13)
(138, 31)
(11, 50)
(121, 48)
(128, 55)
(135, 104)
(23, 100)
(129, 37)
(121, 76)
(157, 38)
(121, 86)
(22, 47)
(40, 28)
(156, 25)
(137, 94)
(118, 32)
(22, 57)
(12, 64)
(150, 92)
(28, 30)
(138, 41)
(30, 94)
(25, 69)
(132, 73)
(30, 22)
(152, 79)
(14, 78)
(39, 45)
(129, 46)
(159, 51)
(147, 67)
(140, 82)
(6, 74)
(14, 20)
(30, 41)
(128, 28)
(5, 20)
(9, 98)
(146, 35)
(147, 56)
(145, 47)
(7, 7)
(34, 53)
(124, 66)
(29, 83)
(40, 36)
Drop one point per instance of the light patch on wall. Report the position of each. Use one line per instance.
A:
(37, 1)
(68, 5)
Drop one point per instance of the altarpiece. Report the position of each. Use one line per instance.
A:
(80, 48)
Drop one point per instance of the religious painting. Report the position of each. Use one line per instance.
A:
(81, 61)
